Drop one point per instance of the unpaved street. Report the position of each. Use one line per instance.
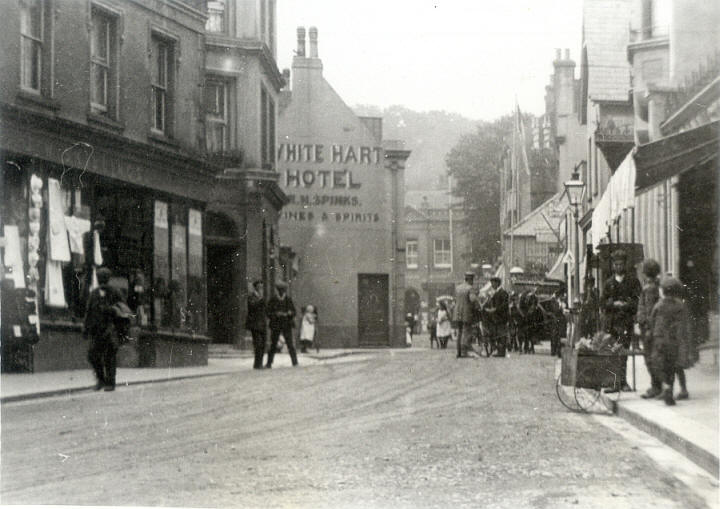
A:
(410, 429)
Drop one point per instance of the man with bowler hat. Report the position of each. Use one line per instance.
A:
(466, 302)
(281, 313)
(256, 321)
(620, 301)
(498, 311)
(100, 328)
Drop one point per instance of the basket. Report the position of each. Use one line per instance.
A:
(591, 370)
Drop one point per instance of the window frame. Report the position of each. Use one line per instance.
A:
(160, 47)
(105, 62)
(222, 119)
(35, 40)
(438, 264)
(213, 14)
(415, 255)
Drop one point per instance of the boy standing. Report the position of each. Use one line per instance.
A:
(673, 347)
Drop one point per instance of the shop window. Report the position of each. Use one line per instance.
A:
(162, 77)
(103, 62)
(216, 116)
(441, 253)
(177, 290)
(35, 34)
(411, 254)
(196, 282)
(216, 12)
(161, 263)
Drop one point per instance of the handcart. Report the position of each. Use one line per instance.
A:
(587, 377)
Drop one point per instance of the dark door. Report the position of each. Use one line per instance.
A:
(220, 295)
(373, 314)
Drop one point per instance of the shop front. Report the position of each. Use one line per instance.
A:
(63, 219)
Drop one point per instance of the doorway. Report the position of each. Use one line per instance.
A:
(221, 295)
(373, 314)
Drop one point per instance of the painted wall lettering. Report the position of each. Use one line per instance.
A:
(340, 154)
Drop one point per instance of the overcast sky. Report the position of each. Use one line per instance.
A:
(466, 56)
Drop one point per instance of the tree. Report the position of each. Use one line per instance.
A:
(474, 163)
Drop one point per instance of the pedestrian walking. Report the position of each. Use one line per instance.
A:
(622, 291)
(256, 321)
(432, 328)
(648, 298)
(497, 310)
(307, 328)
(281, 313)
(102, 329)
(589, 310)
(443, 327)
(673, 345)
(409, 327)
(466, 299)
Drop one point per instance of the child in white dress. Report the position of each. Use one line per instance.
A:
(307, 328)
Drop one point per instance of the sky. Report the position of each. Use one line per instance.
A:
(472, 57)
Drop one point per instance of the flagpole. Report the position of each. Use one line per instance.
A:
(450, 224)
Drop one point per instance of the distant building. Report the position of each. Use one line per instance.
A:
(345, 185)
(437, 248)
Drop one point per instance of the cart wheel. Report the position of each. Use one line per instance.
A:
(566, 395)
(586, 398)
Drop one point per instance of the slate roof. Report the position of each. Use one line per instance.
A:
(606, 34)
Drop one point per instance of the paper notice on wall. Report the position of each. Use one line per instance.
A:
(54, 290)
(97, 249)
(58, 237)
(194, 222)
(161, 214)
(13, 257)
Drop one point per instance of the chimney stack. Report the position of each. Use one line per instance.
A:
(567, 54)
(301, 42)
(558, 53)
(313, 33)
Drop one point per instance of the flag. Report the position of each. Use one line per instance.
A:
(520, 128)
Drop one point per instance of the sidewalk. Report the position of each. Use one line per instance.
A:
(222, 360)
(691, 426)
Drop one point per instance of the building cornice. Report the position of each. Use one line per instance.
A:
(258, 181)
(175, 161)
(181, 7)
(646, 45)
(249, 47)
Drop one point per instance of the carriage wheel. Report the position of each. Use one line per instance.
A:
(566, 395)
(586, 398)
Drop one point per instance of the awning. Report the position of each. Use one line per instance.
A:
(618, 196)
(670, 156)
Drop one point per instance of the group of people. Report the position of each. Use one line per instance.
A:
(657, 313)
(277, 314)
(509, 322)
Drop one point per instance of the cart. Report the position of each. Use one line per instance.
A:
(587, 378)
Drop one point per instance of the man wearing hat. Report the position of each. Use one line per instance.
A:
(281, 313)
(99, 327)
(466, 300)
(619, 301)
(498, 312)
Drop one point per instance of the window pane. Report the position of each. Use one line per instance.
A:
(215, 137)
(215, 99)
(216, 16)
(98, 93)
(196, 284)
(159, 108)
(99, 41)
(30, 64)
(162, 65)
(161, 263)
(31, 18)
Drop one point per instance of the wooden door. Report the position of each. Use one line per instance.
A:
(373, 310)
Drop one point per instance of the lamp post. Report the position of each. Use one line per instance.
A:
(575, 189)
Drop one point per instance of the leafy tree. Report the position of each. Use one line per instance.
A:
(474, 163)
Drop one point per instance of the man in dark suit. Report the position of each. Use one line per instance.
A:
(281, 312)
(256, 321)
(466, 315)
(100, 327)
(619, 301)
(497, 309)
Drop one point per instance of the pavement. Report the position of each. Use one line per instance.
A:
(223, 359)
(691, 427)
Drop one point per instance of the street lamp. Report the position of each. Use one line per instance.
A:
(575, 189)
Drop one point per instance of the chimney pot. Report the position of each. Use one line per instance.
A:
(567, 54)
(301, 41)
(313, 33)
(557, 54)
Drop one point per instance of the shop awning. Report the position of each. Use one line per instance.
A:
(619, 195)
(673, 155)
